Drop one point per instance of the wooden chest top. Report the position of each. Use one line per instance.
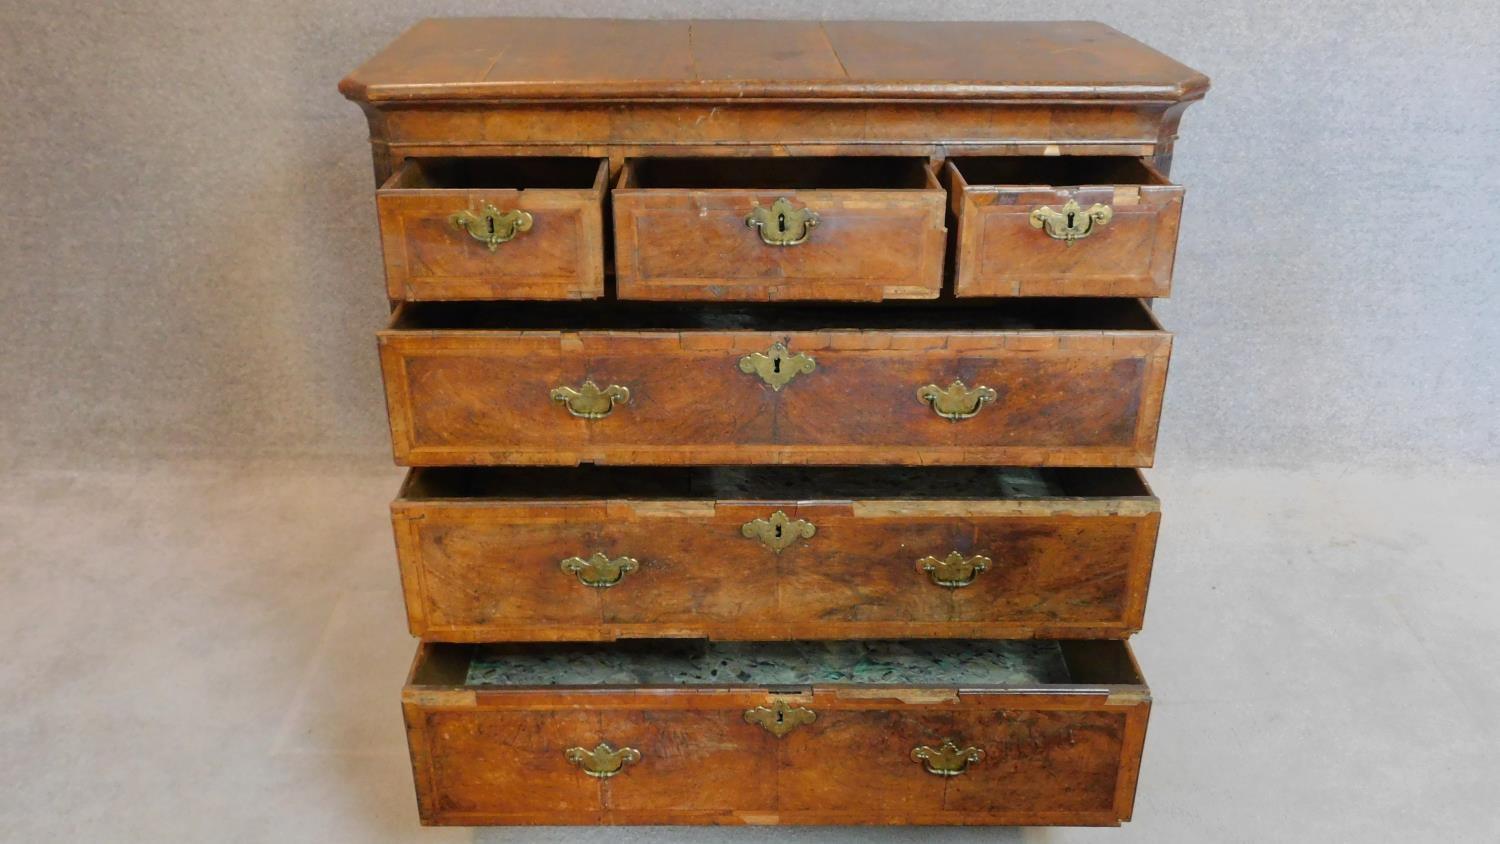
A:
(509, 59)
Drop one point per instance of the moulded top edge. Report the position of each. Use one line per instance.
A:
(501, 59)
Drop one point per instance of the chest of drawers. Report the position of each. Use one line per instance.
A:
(775, 394)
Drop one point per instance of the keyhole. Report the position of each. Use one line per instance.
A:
(781, 717)
(781, 223)
(778, 531)
(1070, 219)
(491, 221)
(776, 365)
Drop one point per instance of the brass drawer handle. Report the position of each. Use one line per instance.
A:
(590, 402)
(780, 717)
(1072, 222)
(603, 761)
(777, 366)
(778, 532)
(599, 571)
(782, 224)
(956, 401)
(947, 760)
(954, 571)
(491, 226)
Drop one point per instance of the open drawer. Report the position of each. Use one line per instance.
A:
(886, 732)
(1063, 226)
(1035, 382)
(494, 228)
(761, 553)
(766, 229)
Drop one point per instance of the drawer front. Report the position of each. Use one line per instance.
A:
(779, 244)
(474, 243)
(845, 397)
(480, 570)
(1016, 240)
(685, 757)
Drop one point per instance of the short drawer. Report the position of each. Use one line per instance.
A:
(1032, 383)
(767, 229)
(890, 732)
(769, 553)
(494, 228)
(1063, 226)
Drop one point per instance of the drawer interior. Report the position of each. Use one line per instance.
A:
(1068, 170)
(1006, 315)
(940, 663)
(485, 173)
(785, 173)
(771, 483)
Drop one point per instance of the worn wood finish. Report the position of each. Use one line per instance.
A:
(480, 554)
(1066, 397)
(473, 86)
(1000, 252)
(1058, 754)
(470, 382)
(555, 59)
(880, 232)
(560, 257)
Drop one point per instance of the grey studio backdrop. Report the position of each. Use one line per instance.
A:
(190, 255)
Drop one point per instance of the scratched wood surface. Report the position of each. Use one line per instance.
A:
(681, 234)
(1077, 385)
(539, 58)
(999, 252)
(481, 394)
(486, 565)
(626, 88)
(561, 256)
(1058, 754)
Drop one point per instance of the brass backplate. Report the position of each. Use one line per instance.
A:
(1072, 223)
(491, 226)
(603, 761)
(956, 401)
(782, 224)
(780, 717)
(779, 531)
(955, 570)
(589, 401)
(946, 760)
(777, 366)
(599, 571)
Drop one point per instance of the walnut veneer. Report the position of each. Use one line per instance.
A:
(767, 335)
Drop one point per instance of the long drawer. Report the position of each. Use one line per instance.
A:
(774, 553)
(1017, 733)
(1038, 382)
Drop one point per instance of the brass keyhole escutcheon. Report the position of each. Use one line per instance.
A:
(1072, 223)
(779, 532)
(777, 366)
(782, 224)
(780, 717)
(956, 401)
(491, 226)
(954, 571)
(590, 401)
(599, 571)
(603, 761)
(946, 760)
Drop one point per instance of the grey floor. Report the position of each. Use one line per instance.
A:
(212, 652)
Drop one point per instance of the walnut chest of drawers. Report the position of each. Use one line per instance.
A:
(775, 395)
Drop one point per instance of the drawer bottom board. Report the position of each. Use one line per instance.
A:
(689, 732)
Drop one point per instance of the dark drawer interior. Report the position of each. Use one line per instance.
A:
(1010, 314)
(789, 173)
